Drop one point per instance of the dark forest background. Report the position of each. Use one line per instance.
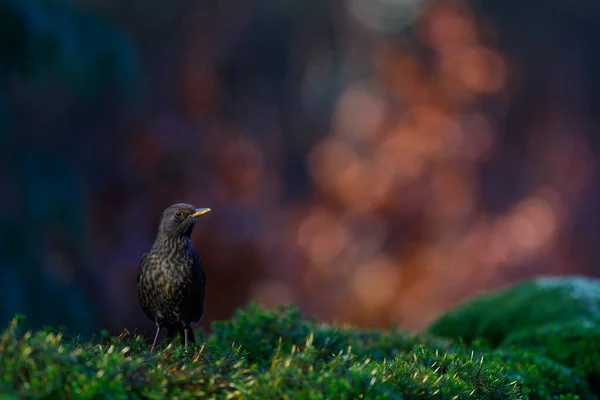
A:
(367, 160)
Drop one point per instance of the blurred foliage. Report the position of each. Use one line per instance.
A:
(523, 307)
(53, 60)
(45, 39)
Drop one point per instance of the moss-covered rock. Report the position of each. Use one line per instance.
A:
(527, 305)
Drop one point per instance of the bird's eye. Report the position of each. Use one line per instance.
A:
(179, 214)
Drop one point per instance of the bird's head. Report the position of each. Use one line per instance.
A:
(179, 220)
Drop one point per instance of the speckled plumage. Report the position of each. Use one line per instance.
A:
(171, 280)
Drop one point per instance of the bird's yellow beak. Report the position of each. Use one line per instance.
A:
(199, 212)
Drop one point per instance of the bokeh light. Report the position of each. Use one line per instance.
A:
(369, 161)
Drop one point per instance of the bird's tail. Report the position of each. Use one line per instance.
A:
(191, 336)
(172, 332)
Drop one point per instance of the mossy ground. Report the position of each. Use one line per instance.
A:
(524, 306)
(276, 354)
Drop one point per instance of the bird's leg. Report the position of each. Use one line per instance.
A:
(188, 337)
(155, 339)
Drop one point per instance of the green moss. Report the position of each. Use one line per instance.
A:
(46, 365)
(262, 354)
(575, 344)
(422, 374)
(528, 305)
(545, 378)
(262, 332)
(427, 373)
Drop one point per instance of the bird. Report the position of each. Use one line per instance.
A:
(170, 278)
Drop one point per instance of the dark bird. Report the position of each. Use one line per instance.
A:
(171, 280)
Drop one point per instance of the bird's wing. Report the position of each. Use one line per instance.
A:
(140, 267)
(202, 276)
(198, 268)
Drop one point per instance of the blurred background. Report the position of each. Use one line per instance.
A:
(366, 160)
